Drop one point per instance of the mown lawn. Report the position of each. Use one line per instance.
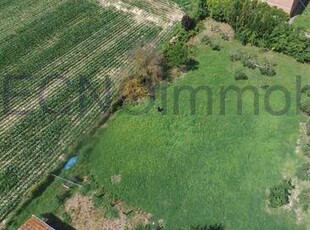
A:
(202, 169)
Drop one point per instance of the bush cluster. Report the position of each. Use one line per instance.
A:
(303, 173)
(267, 69)
(304, 199)
(239, 75)
(250, 61)
(279, 194)
(257, 23)
(141, 80)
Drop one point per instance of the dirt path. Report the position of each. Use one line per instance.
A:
(86, 217)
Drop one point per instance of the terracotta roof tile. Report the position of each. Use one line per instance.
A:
(35, 223)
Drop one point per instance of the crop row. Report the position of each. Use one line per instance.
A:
(73, 58)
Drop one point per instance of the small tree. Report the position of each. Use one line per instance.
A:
(203, 11)
(188, 23)
(177, 54)
(279, 194)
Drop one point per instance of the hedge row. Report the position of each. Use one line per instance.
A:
(257, 23)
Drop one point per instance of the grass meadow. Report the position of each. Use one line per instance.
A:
(202, 169)
(199, 169)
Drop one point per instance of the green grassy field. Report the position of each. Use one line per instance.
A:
(198, 169)
(202, 169)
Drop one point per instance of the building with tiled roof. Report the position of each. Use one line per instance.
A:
(34, 223)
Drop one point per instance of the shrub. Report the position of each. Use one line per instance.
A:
(267, 69)
(303, 173)
(305, 106)
(257, 23)
(206, 40)
(133, 90)
(141, 79)
(177, 54)
(188, 23)
(148, 227)
(305, 147)
(224, 36)
(304, 198)
(279, 194)
(235, 55)
(203, 10)
(249, 61)
(215, 46)
(208, 227)
(62, 196)
(239, 75)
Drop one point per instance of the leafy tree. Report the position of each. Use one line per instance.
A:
(177, 54)
(203, 11)
(257, 23)
(188, 23)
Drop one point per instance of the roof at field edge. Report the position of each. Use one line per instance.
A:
(34, 223)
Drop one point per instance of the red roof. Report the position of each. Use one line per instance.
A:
(34, 223)
(286, 5)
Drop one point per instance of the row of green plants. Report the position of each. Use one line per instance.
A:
(39, 66)
(42, 131)
(35, 143)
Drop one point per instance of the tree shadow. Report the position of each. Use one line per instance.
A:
(192, 64)
(301, 8)
(56, 222)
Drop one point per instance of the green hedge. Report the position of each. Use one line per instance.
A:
(259, 24)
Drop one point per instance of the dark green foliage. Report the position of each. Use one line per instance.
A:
(148, 227)
(203, 11)
(188, 23)
(177, 54)
(215, 46)
(249, 60)
(208, 227)
(279, 194)
(239, 75)
(304, 199)
(63, 195)
(305, 106)
(303, 173)
(249, 63)
(259, 24)
(8, 178)
(305, 147)
(267, 69)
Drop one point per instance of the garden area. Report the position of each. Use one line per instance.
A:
(206, 134)
(194, 169)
